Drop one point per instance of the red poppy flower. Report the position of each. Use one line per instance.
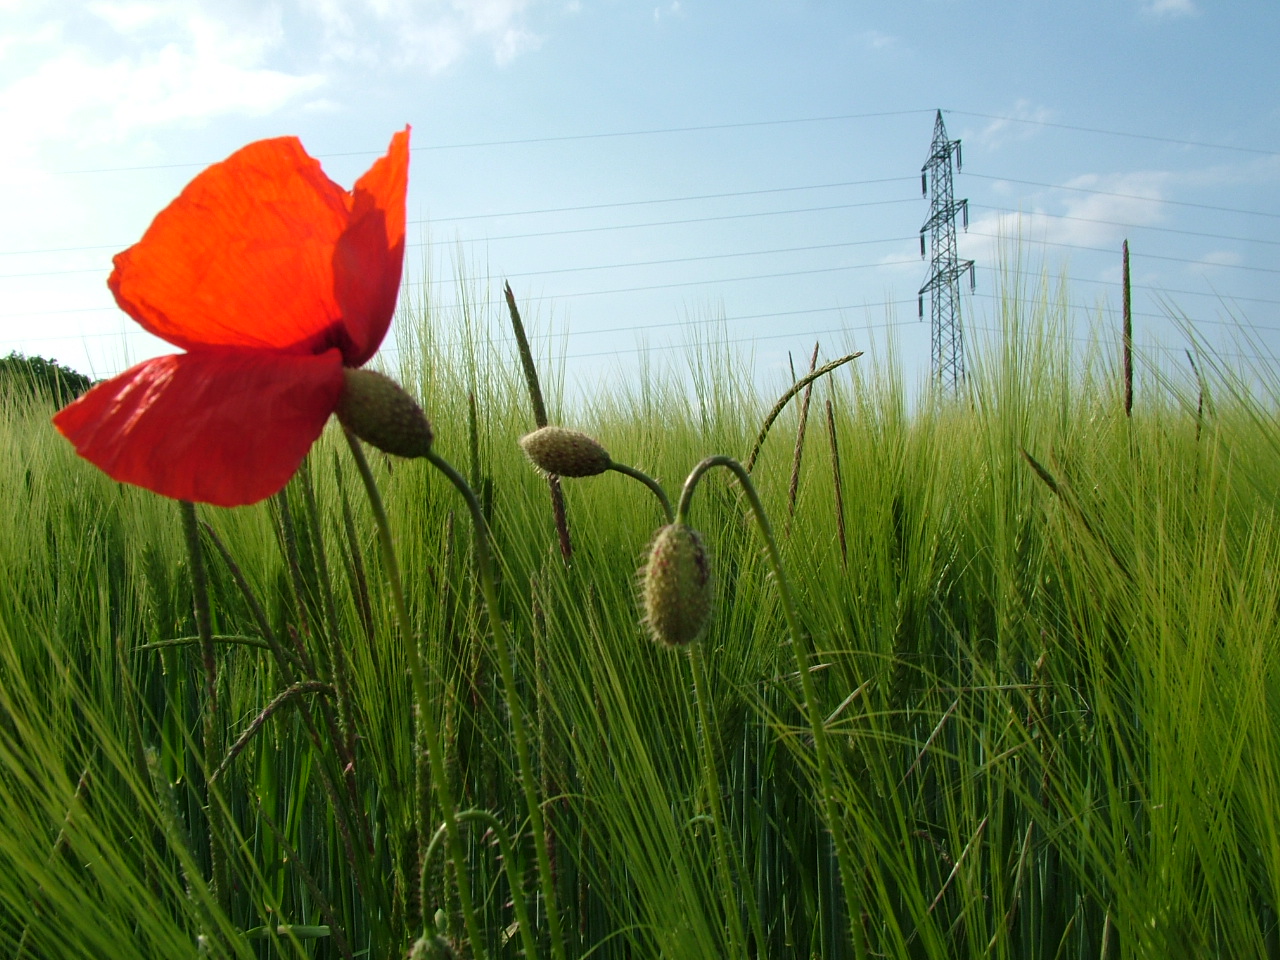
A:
(273, 279)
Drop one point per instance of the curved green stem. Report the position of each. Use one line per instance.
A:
(649, 482)
(422, 699)
(502, 646)
(803, 655)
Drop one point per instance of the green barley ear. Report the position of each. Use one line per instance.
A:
(565, 453)
(378, 411)
(676, 586)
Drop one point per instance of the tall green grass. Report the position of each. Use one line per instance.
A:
(1046, 656)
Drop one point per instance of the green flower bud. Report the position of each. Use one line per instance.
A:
(565, 453)
(378, 411)
(676, 586)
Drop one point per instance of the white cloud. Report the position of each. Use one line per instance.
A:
(82, 93)
(1089, 211)
(1170, 8)
(673, 9)
(74, 93)
(127, 17)
(433, 34)
(1129, 198)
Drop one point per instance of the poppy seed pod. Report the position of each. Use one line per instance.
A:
(378, 411)
(565, 453)
(677, 586)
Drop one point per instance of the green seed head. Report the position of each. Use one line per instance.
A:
(378, 411)
(565, 453)
(677, 586)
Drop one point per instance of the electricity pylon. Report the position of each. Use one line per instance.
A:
(946, 267)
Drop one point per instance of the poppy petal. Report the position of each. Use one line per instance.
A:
(227, 427)
(370, 253)
(243, 257)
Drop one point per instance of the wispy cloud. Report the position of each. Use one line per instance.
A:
(876, 40)
(1170, 8)
(431, 34)
(1220, 258)
(673, 9)
(1090, 211)
(103, 84)
(145, 65)
(133, 64)
(1019, 122)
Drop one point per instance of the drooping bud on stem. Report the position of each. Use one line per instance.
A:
(677, 586)
(379, 411)
(565, 453)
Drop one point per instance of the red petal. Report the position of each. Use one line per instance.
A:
(370, 253)
(243, 257)
(227, 427)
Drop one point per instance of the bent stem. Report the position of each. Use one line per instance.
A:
(649, 482)
(422, 699)
(484, 565)
(510, 860)
(803, 654)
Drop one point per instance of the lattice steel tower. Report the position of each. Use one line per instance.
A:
(945, 267)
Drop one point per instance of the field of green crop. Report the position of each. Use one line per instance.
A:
(1038, 715)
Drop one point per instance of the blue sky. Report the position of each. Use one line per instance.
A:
(651, 175)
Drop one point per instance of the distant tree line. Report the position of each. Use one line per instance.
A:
(41, 378)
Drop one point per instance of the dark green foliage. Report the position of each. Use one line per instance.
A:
(41, 378)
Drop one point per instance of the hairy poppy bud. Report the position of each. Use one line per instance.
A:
(431, 948)
(565, 453)
(677, 586)
(378, 411)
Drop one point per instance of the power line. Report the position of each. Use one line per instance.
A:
(700, 128)
(1086, 308)
(1127, 226)
(1188, 293)
(1145, 256)
(1150, 347)
(552, 233)
(672, 260)
(707, 282)
(445, 308)
(973, 233)
(523, 141)
(666, 223)
(714, 196)
(606, 266)
(686, 323)
(632, 328)
(1124, 196)
(638, 203)
(1118, 133)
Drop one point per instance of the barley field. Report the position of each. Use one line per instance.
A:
(1011, 688)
